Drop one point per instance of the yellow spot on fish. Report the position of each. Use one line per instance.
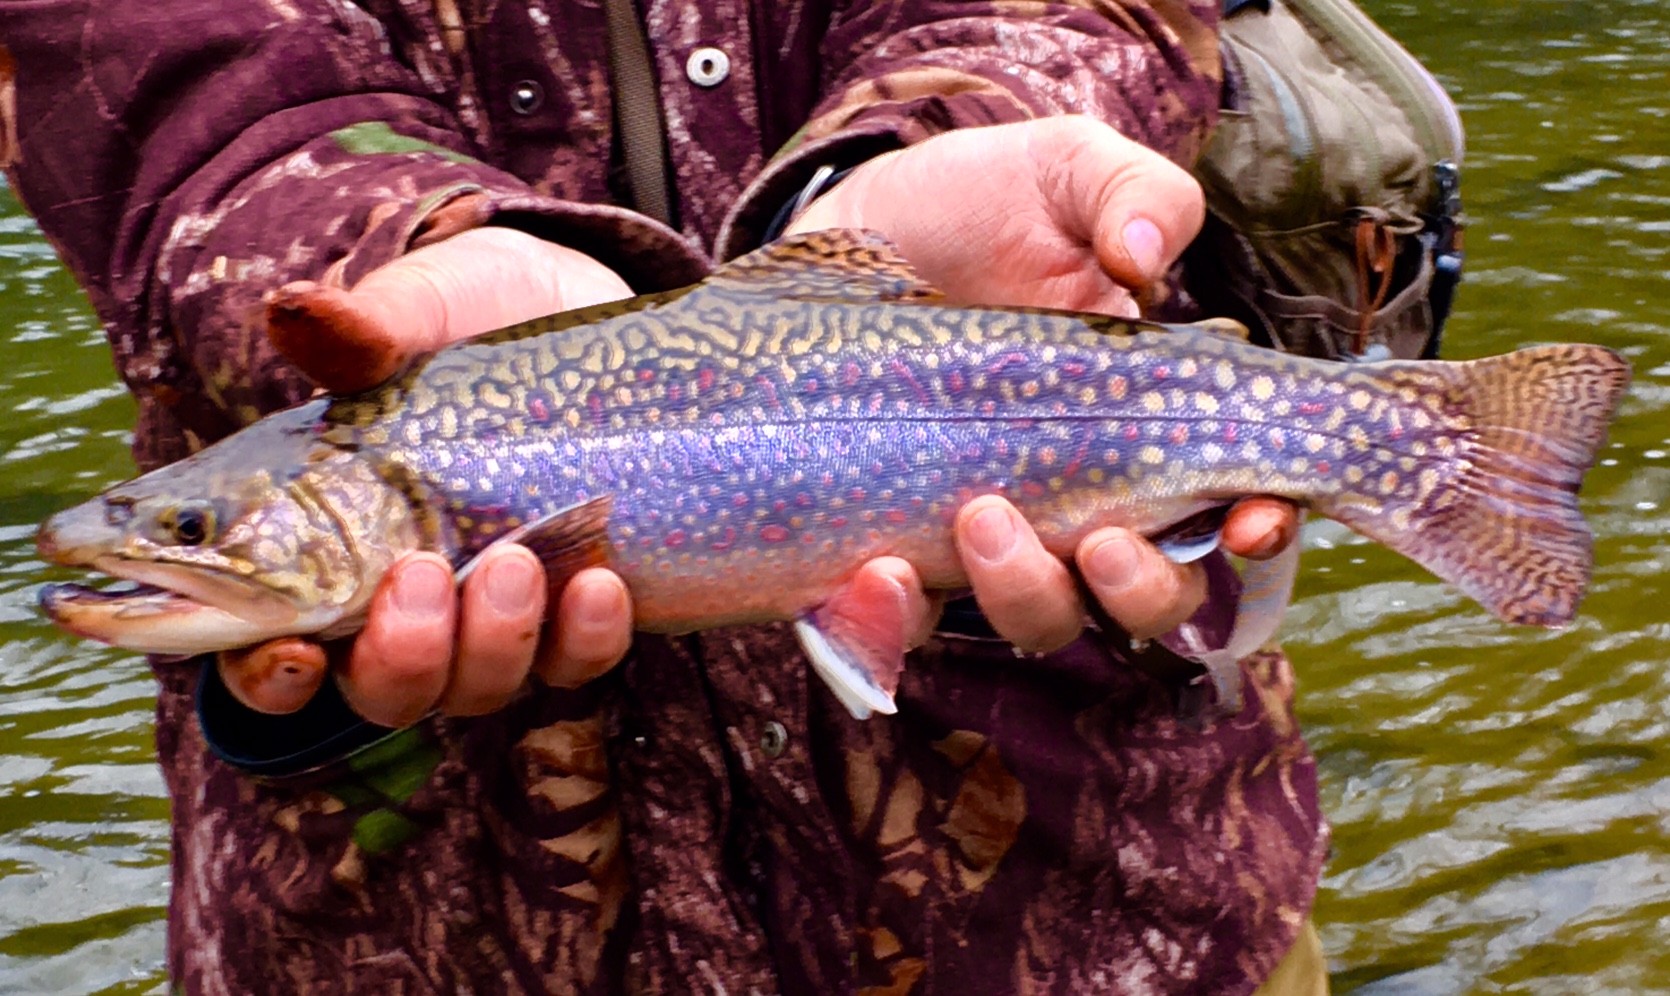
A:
(1359, 400)
(1206, 403)
(1095, 475)
(1358, 438)
(1336, 418)
(1087, 396)
(1314, 441)
(1424, 483)
(1223, 375)
(1152, 455)
(1263, 388)
(1354, 475)
(1298, 465)
(1153, 402)
(1388, 482)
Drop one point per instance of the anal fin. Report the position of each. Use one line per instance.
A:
(856, 642)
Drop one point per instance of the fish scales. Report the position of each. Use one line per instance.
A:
(783, 466)
(753, 439)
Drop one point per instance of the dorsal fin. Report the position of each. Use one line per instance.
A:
(837, 264)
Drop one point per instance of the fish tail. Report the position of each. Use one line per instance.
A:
(1501, 522)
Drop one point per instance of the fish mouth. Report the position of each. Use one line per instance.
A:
(171, 609)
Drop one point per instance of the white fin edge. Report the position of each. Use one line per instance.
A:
(850, 683)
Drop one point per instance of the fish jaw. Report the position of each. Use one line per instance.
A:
(148, 620)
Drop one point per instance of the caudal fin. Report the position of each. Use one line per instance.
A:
(1501, 521)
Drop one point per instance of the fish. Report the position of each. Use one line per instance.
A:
(736, 449)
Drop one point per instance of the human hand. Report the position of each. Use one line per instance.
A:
(425, 646)
(1059, 213)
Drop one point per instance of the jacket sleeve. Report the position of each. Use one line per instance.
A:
(897, 73)
(186, 157)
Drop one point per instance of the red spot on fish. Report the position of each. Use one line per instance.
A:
(704, 379)
(1179, 435)
(1312, 408)
(1073, 368)
(808, 538)
(1132, 432)
(908, 377)
(850, 374)
(1161, 373)
(1230, 432)
(537, 409)
(1007, 360)
(803, 500)
(954, 382)
(838, 522)
(779, 505)
(646, 542)
(1277, 439)
(595, 403)
(726, 541)
(739, 499)
(770, 391)
(897, 515)
(1323, 466)
(827, 479)
(773, 533)
(809, 385)
(645, 375)
(675, 539)
(1395, 432)
(1032, 489)
(857, 494)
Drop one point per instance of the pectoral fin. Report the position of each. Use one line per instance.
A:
(856, 642)
(566, 541)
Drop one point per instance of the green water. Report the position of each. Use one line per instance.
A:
(1500, 797)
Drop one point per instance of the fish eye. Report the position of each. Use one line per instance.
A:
(191, 524)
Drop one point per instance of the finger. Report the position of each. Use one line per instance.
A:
(1025, 592)
(920, 612)
(1259, 528)
(473, 282)
(401, 661)
(277, 677)
(333, 337)
(1137, 207)
(1141, 588)
(500, 615)
(593, 629)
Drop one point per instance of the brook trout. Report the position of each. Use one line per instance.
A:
(736, 449)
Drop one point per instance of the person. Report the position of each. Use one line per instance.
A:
(366, 183)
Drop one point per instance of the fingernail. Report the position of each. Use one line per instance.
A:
(599, 605)
(510, 582)
(1146, 247)
(1112, 563)
(991, 534)
(1273, 541)
(422, 590)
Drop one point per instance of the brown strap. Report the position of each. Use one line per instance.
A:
(637, 111)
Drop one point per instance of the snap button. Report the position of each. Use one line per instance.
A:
(707, 66)
(774, 740)
(526, 97)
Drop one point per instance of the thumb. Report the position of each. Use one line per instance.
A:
(1139, 209)
(474, 282)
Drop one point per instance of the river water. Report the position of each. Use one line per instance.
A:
(1500, 797)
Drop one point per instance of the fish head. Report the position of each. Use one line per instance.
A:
(274, 531)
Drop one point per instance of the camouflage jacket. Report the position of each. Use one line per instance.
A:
(704, 818)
